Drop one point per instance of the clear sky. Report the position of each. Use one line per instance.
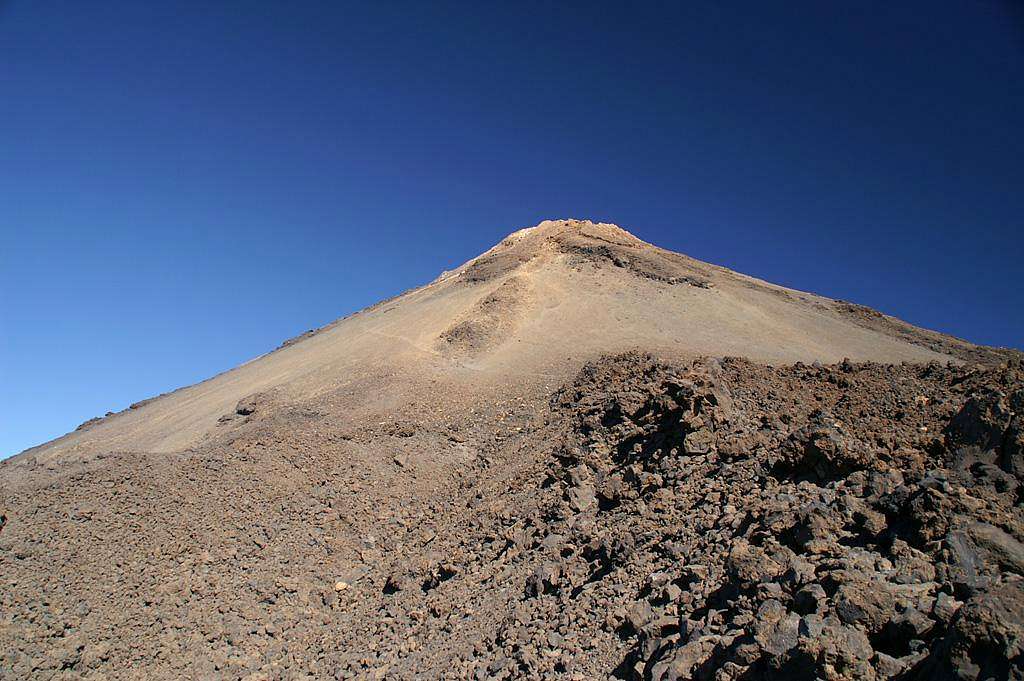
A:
(185, 184)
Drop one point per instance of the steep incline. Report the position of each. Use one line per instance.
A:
(539, 304)
(459, 483)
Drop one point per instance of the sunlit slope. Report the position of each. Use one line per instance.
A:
(534, 308)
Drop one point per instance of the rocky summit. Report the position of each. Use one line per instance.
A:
(576, 456)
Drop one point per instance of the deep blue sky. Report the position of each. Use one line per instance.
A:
(185, 184)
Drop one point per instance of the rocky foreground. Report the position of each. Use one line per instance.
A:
(716, 520)
(739, 522)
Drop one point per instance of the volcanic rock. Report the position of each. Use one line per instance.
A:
(575, 456)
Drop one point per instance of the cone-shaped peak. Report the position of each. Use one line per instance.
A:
(569, 227)
(539, 304)
(577, 242)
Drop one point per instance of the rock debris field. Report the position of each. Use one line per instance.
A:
(712, 520)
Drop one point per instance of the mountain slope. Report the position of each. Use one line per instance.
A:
(459, 483)
(538, 305)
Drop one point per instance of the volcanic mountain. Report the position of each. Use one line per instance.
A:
(531, 310)
(577, 455)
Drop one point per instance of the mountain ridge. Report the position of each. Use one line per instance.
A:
(548, 260)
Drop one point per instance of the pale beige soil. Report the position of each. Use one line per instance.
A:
(562, 301)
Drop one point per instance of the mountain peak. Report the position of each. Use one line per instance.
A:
(566, 226)
(576, 240)
(341, 475)
(531, 310)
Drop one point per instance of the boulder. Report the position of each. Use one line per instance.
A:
(985, 639)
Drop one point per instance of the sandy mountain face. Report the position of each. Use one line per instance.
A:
(576, 456)
(530, 311)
